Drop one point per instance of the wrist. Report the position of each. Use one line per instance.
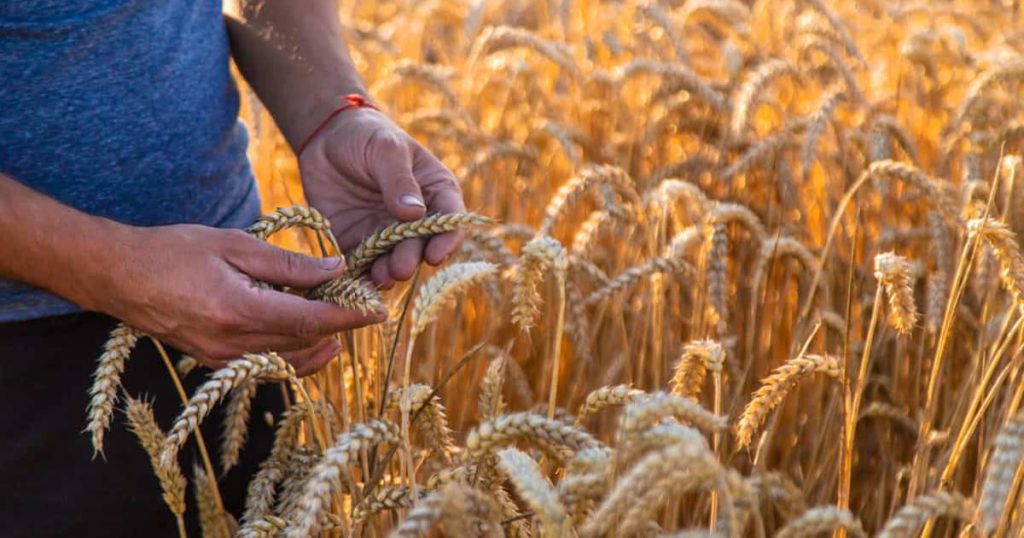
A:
(348, 104)
(95, 264)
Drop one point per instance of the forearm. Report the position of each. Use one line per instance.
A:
(293, 54)
(52, 246)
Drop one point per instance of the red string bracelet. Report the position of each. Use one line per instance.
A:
(352, 100)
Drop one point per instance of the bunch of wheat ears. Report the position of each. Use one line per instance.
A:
(597, 360)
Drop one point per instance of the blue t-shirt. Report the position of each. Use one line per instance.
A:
(124, 109)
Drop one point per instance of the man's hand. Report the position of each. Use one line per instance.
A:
(363, 172)
(192, 287)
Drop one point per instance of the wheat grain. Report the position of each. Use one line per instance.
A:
(492, 403)
(1006, 249)
(236, 424)
(348, 292)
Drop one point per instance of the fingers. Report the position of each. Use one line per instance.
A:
(312, 359)
(268, 263)
(443, 195)
(390, 163)
(444, 199)
(277, 313)
(404, 259)
(380, 273)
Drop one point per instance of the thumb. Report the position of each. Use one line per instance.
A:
(268, 263)
(391, 166)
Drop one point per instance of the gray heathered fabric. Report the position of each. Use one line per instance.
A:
(121, 108)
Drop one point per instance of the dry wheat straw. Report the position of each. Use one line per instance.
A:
(325, 478)
(383, 241)
(909, 519)
(893, 273)
(776, 386)
(250, 367)
(1002, 467)
(698, 357)
(107, 381)
(537, 492)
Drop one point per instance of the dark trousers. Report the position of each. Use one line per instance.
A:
(50, 485)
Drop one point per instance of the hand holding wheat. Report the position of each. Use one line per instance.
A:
(192, 287)
(364, 172)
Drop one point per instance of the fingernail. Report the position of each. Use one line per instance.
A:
(411, 200)
(330, 264)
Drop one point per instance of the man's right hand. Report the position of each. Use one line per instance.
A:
(192, 287)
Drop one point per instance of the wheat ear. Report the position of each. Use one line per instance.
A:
(606, 397)
(348, 292)
(236, 424)
(781, 491)
(538, 493)
(668, 264)
(143, 424)
(659, 405)
(440, 291)
(1006, 248)
(822, 519)
(776, 386)
(639, 479)
(587, 477)
(549, 434)
(212, 520)
(325, 478)
(491, 402)
(816, 128)
(383, 499)
(1000, 472)
(383, 241)
(698, 357)
(222, 382)
(893, 273)
(284, 218)
(572, 191)
(909, 519)
(753, 88)
(540, 254)
(259, 502)
(437, 436)
(107, 381)
(185, 365)
(461, 510)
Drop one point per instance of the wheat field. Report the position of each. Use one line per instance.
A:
(733, 269)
